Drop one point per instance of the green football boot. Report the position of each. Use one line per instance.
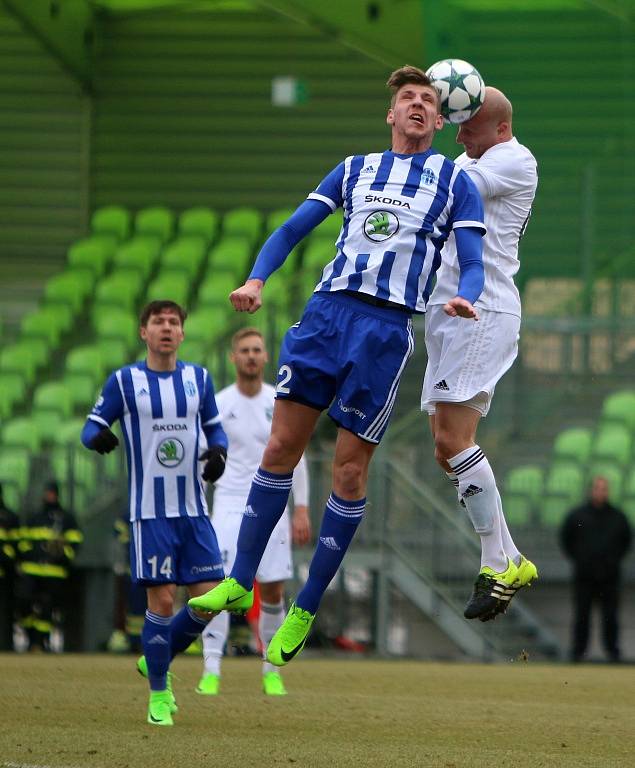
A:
(527, 573)
(142, 669)
(208, 685)
(291, 636)
(272, 684)
(491, 589)
(159, 708)
(226, 596)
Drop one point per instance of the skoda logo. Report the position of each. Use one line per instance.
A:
(380, 225)
(170, 452)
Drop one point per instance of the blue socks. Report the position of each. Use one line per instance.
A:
(339, 524)
(155, 638)
(186, 626)
(267, 499)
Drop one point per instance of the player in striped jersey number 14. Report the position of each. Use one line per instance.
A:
(354, 339)
(174, 441)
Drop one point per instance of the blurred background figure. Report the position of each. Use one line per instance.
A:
(9, 525)
(46, 548)
(596, 537)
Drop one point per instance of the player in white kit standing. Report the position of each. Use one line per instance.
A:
(246, 410)
(466, 360)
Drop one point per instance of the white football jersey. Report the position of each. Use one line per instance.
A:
(506, 176)
(247, 424)
(398, 212)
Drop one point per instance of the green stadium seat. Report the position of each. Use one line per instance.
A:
(613, 475)
(573, 444)
(70, 287)
(39, 350)
(82, 389)
(114, 353)
(48, 322)
(215, 290)
(553, 510)
(318, 253)
(140, 254)
(70, 432)
(169, 284)
(22, 433)
(15, 465)
(85, 359)
(205, 324)
(276, 219)
(12, 393)
(568, 480)
(156, 221)
(112, 220)
(329, 228)
(613, 442)
(199, 222)
(18, 358)
(53, 396)
(93, 253)
(185, 254)
(233, 255)
(243, 222)
(527, 480)
(111, 324)
(120, 289)
(518, 509)
(620, 407)
(193, 351)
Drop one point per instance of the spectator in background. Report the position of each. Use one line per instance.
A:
(9, 526)
(46, 549)
(596, 536)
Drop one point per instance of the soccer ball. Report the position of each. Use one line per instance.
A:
(461, 88)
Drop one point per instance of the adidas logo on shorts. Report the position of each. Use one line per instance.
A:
(442, 385)
(471, 490)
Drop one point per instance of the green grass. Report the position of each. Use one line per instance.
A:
(89, 711)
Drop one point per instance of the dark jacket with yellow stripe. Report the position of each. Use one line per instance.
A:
(9, 532)
(48, 542)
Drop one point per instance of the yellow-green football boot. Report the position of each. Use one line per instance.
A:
(291, 636)
(159, 708)
(142, 669)
(272, 684)
(490, 590)
(228, 595)
(208, 685)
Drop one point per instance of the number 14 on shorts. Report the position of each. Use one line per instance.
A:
(165, 569)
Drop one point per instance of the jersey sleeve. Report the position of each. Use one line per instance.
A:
(467, 209)
(109, 406)
(331, 189)
(210, 417)
(502, 174)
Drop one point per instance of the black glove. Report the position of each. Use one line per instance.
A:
(104, 441)
(214, 458)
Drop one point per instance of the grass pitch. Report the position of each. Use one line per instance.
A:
(89, 712)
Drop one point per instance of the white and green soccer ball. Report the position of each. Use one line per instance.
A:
(461, 88)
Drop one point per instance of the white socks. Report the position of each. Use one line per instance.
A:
(271, 617)
(214, 639)
(477, 489)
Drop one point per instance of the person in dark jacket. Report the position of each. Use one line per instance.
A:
(9, 526)
(46, 549)
(596, 536)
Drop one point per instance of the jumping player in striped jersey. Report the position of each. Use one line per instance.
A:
(174, 441)
(350, 348)
(466, 360)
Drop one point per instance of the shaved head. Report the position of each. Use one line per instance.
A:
(491, 125)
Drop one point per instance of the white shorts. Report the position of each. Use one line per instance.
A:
(276, 563)
(466, 358)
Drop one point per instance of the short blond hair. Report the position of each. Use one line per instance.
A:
(243, 333)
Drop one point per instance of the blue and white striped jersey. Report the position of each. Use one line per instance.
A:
(163, 417)
(398, 212)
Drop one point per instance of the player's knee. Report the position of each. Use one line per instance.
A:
(349, 479)
(163, 605)
(445, 446)
(279, 455)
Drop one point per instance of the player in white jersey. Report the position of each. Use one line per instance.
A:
(466, 360)
(174, 441)
(246, 409)
(354, 340)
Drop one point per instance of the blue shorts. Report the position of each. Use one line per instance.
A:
(348, 355)
(174, 550)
